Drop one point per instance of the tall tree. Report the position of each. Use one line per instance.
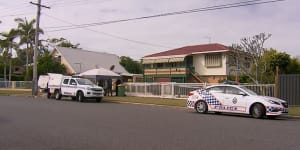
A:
(131, 65)
(47, 64)
(254, 48)
(268, 62)
(26, 31)
(293, 67)
(8, 44)
(62, 42)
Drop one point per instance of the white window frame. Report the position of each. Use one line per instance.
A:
(213, 60)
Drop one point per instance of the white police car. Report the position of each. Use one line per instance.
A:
(235, 99)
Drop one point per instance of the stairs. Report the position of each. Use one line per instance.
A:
(196, 77)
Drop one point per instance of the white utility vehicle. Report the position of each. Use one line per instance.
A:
(75, 87)
(235, 99)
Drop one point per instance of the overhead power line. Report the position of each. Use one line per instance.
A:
(111, 35)
(216, 7)
(72, 3)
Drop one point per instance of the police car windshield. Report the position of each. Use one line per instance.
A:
(84, 82)
(248, 90)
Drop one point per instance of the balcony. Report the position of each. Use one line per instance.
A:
(181, 71)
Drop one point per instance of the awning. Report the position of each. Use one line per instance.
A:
(176, 59)
(148, 61)
(162, 60)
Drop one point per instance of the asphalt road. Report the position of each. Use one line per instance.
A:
(41, 124)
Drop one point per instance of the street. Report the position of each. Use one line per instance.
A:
(41, 124)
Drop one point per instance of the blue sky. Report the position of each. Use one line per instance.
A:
(225, 26)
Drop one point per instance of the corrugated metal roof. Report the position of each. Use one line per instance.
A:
(191, 50)
(90, 59)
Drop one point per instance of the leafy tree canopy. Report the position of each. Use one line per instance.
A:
(47, 64)
(62, 42)
(131, 65)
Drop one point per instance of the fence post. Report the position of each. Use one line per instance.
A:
(172, 89)
(145, 88)
(162, 90)
(276, 90)
(13, 84)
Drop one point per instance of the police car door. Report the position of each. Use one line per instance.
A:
(218, 93)
(234, 101)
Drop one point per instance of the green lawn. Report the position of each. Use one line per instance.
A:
(15, 92)
(294, 111)
(148, 100)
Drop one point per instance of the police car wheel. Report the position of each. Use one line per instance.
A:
(80, 96)
(258, 111)
(48, 95)
(201, 107)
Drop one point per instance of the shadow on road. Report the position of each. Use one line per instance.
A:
(280, 118)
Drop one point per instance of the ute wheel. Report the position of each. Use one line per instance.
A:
(258, 111)
(57, 95)
(98, 100)
(80, 96)
(48, 95)
(201, 107)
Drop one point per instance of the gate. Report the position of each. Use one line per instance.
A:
(289, 88)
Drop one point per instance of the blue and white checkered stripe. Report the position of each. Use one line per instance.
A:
(209, 98)
(191, 103)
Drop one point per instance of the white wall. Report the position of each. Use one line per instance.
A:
(199, 64)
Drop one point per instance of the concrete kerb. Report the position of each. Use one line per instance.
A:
(177, 107)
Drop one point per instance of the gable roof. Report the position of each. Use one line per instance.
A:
(187, 50)
(87, 60)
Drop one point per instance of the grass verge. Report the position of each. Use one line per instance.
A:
(14, 92)
(148, 100)
(294, 111)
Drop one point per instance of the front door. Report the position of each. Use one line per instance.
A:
(72, 87)
(234, 101)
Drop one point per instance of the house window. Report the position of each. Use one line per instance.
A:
(160, 65)
(213, 60)
(57, 59)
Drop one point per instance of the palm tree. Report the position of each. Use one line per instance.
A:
(8, 44)
(4, 53)
(26, 32)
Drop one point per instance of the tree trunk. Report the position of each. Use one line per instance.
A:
(27, 57)
(10, 63)
(4, 70)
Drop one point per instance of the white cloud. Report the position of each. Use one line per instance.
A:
(225, 26)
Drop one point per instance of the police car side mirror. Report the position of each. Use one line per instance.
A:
(242, 93)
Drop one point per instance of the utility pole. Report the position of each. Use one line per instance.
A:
(35, 51)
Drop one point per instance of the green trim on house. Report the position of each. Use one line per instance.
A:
(156, 70)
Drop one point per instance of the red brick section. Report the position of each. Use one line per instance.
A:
(191, 49)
